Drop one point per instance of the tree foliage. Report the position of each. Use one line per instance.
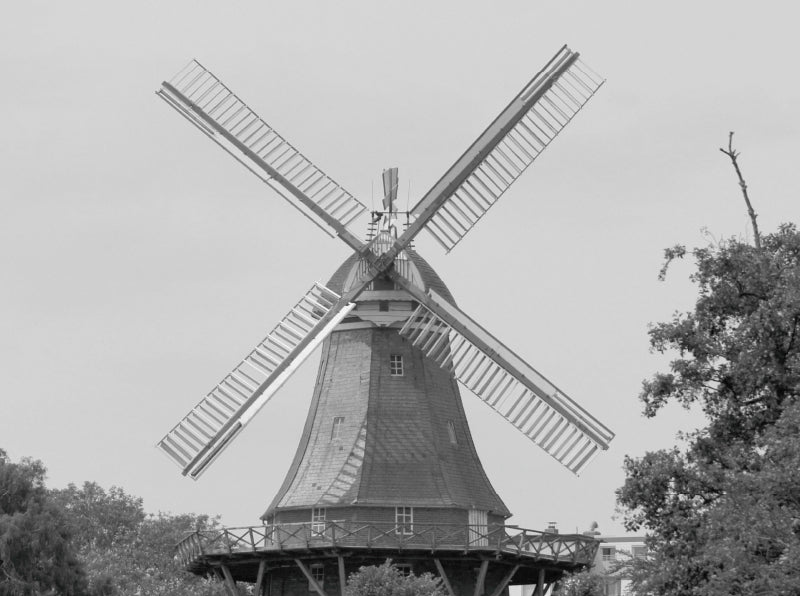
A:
(126, 551)
(88, 541)
(583, 583)
(723, 510)
(36, 552)
(388, 580)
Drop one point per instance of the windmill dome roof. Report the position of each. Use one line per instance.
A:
(418, 270)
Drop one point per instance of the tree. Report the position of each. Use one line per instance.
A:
(388, 580)
(36, 552)
(582, 583)
(126, 551)
(723, 509)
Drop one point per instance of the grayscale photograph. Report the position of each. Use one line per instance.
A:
(400, 299)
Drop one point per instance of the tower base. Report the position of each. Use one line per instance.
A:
(303, 559)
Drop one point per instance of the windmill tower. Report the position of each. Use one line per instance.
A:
(386, 466)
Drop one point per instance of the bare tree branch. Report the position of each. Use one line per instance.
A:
(733, 154)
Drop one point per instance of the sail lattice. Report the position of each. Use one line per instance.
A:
(508, 146)
(202, 434)
(521, 395)
(209, 104)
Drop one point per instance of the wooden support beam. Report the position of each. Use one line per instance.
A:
(342, 576)
(445, 579)
(317, 588)
(540, 584)
(480, 582)
(259, 587)
(230, 584)
(504, 582)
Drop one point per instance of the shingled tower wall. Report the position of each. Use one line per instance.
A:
(381, 435)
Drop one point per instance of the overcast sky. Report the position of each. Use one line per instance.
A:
(139, 262)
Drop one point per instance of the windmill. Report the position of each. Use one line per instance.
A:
(386, 465)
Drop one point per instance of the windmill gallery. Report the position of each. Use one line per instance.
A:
(386, 466)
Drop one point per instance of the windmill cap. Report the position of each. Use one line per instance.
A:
(410, 264)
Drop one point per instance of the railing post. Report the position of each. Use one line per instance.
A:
(227, 536)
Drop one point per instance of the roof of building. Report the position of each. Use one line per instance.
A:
(421, 272)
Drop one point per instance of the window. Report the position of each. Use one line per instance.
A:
(318, 573)
(451, 431)
(612, 588)
(317, 520)
(383, 306)
(639, 552)
(336, 431)
(404, 520)
(608, 553)
(396, 365)
(404, 568)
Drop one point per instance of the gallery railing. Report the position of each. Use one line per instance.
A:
(509, 540)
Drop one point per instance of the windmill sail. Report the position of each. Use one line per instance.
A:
(211, 106)
(210, 426)
(506, 148)
(507, 384)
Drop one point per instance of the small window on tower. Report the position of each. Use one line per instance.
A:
(318, 520)
(451, 431)
(404, 520)
(396, 365)
(404, 568)
(383, 306)
(336, 431)
(318, 573)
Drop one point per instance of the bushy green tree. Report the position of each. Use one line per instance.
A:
(723, 509)
(388, 580)
(36, 552)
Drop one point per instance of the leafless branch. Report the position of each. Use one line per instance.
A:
(733, 154)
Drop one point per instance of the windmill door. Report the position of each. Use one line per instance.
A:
(478, 528)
